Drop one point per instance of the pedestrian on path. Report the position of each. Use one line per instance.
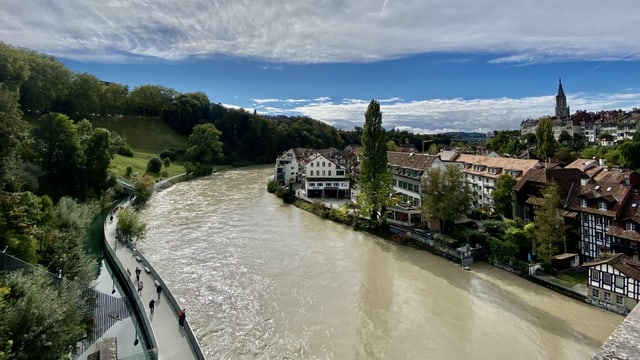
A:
(140, 286)
(158, 290)
(181, 316)
(152, 305)
(129, 272)
(138, 271)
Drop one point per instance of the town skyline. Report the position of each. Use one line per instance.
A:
(433, 66)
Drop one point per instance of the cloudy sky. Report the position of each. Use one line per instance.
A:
(434, 65)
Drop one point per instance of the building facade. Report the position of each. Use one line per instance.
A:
(614, 282)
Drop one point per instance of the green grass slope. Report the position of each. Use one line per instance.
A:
(143, 134)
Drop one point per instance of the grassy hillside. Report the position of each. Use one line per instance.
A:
(147, 135)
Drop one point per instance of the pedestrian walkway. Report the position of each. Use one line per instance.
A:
(173, 341)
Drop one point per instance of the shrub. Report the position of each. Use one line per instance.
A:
(168, 154)
(129, 171)
(166, 162)
(154, 165)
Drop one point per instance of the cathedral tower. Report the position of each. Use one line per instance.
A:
(562, 110)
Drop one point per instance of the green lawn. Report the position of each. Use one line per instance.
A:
(574, 277)
(138, 163)
(145, 135)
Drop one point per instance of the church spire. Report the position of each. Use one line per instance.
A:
(562, 109)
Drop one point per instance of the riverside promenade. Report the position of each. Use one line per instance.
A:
(171, 340)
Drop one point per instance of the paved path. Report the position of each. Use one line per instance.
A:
(173, 341)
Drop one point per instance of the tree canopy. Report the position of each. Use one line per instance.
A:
(446, 195)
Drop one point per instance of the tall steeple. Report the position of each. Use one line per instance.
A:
(562, 109)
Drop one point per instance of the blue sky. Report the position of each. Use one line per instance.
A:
(434, 65)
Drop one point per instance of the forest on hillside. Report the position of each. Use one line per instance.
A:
(44, 85)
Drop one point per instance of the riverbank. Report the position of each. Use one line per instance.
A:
(162, 336)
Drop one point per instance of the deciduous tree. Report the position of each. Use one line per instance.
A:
(550, 229)
(204, 149)
(502, 195)
(447, 196)
(547, 144)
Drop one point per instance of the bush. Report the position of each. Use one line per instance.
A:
(166, 162)
(154, 165)
(164, 174)
(168, 154)
(129, 171)
(124, 150)
(272, 186)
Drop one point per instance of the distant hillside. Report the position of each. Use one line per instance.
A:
(143, 134)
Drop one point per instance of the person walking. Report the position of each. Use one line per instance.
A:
(138, 271)
(181, 316)
(152, 305)
(158, 290)
(140, 286)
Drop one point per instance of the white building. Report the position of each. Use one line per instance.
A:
(324, 178)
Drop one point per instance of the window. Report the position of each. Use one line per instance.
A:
(606, 279)
(630, 226)
(329, 172)
(322, 173)
(595, 275)
(619, 300)
(620, 281)
(607, 296)
(340, 172)
(602, 205)
(584, 202)
(311, 164)
(311, 174)
(595, 293)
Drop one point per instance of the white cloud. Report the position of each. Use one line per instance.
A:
(312, 31)
(439, 115)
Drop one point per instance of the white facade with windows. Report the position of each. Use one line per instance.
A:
(324, 178)
(614, 282)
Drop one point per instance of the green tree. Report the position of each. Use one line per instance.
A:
(143, 189)
(547, 144)
(446, 195)
(151, 100)
(502, 195)
(629, 158)
(12, 129)
(114, 100)
(391, 146)
(48, 83)
(433, 149)
(375, 179)
(129, 224)
(97, 156)
(84, 97)
(60, 154)
(43, 317)
(204, 149)
(154, 165)
(549, 224)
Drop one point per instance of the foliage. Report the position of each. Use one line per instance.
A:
(168, 154)
(375, 179)
(502, 195)
(154, 165)
(151, 100)
(391, 146)
(501, 250)
(446, 195)
(143, 189)
(522, 239)
(12, 128)
(495, 228)
(433, 149)
(629, 158)
(549, 225)
(60, 154)
(204, 149)
(43, 317)
(129, 224)
(547, 144)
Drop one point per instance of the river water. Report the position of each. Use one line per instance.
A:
(261, 279)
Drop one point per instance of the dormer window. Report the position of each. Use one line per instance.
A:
(584, 202)
(630, 225)
(602, 205)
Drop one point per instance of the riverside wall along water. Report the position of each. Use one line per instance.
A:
(261, 279)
